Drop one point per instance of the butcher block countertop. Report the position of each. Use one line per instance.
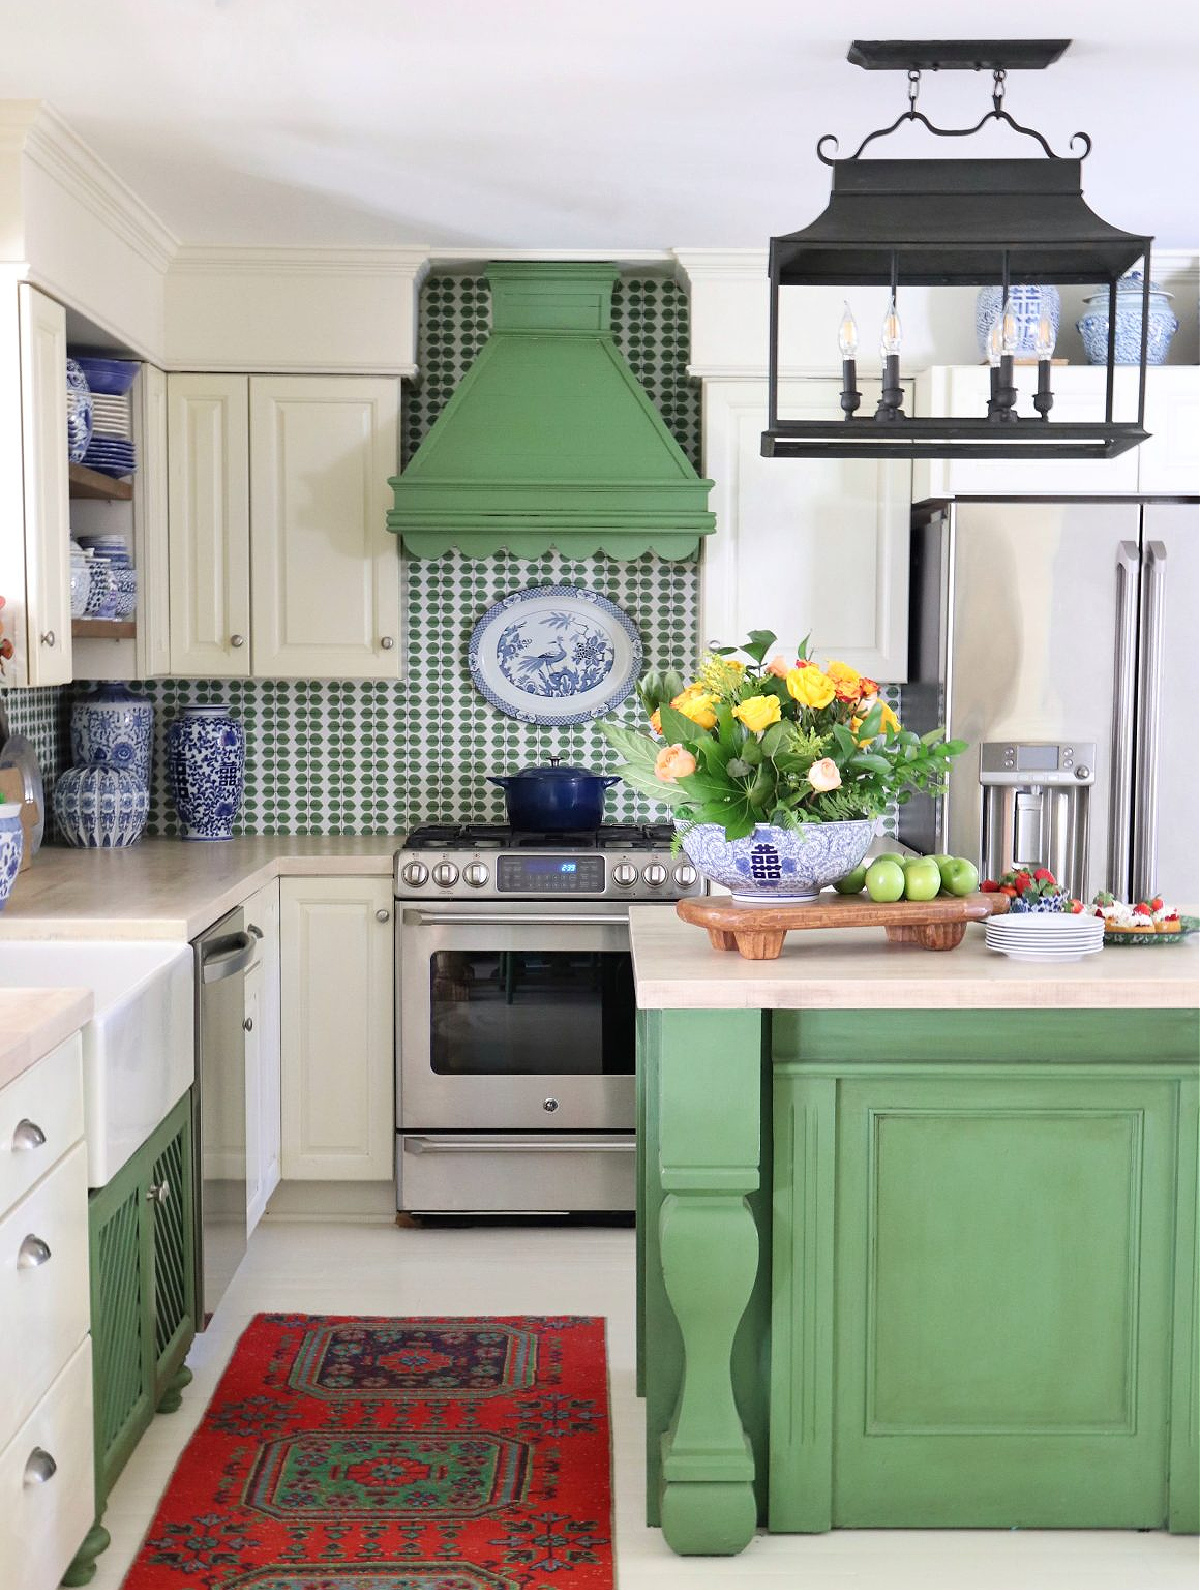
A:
(170, 888)
(676, 968)
(35, 1020)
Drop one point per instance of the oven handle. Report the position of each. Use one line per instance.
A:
(541, 1145)
(503, 919)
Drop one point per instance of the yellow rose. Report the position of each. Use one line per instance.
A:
(810, 687)
(758, 712)
(824, 775)
(847, 681)
(698, 705)
(673, 762)
(656, 722)
(888, 719)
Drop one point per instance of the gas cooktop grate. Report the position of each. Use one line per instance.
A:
(499, 836)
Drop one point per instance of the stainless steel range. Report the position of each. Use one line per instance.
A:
(515, 1014)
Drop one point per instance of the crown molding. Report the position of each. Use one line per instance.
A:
(194, 259)
(443, 255)
(49, 143)
(743, 264)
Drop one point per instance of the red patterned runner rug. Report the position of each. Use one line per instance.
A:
(395, 1454)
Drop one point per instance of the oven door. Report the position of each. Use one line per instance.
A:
(515, 1015)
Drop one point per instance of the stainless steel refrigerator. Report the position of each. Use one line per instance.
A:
(1063, 636)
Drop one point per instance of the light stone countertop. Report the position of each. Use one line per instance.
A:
(35, 1020)
(169, 888)
(675, 967)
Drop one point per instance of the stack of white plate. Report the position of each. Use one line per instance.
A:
(1045, 936)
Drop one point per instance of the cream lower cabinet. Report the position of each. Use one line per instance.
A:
(337, 1024)
(803, 545)
(282, 565)
(263, 1121)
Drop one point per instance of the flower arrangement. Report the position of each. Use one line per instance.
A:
(775, 740)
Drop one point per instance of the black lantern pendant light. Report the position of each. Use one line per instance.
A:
(901, 223)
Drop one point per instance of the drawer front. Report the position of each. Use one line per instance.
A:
(42, 1523)
(44, 1299)
(41, 1116)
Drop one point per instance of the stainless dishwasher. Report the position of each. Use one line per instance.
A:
(223, 957)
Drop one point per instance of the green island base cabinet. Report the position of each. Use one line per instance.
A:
(143, 1282)
(917, 1268)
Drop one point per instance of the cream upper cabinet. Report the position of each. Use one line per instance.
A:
(803, 545)
(1169, 463)
(336, 1028)
(325, 570)
(35, 532)
(208, 442)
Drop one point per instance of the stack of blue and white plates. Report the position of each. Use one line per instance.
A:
(114, 585)
(111, 450)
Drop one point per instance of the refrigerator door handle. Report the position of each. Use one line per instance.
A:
(1149, 720)
(1120, 823)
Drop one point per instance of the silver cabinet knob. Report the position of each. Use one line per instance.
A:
(257, 931)
(386, 643)
(33, 1253)
(550, 1105)
(445, 874)
(383, 914)
(624, 875)
(655, 874)
(39, 1467)
(28, 1135)
(237, 640)
(476, 874)
(49, 638)
(159, 1192)
(415, 873)
(248, 1024)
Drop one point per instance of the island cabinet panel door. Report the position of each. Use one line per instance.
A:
(325, 570)
(337, 1024)
(1002, 1297)
(208, 494)
(804, 545)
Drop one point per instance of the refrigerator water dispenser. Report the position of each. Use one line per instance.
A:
(1036, 796)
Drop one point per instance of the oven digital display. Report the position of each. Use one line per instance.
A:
(517, 874)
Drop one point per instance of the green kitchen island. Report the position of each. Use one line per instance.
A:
(916, 1236)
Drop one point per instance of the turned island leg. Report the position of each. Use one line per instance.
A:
(707, 1070)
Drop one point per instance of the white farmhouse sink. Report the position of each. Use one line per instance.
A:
(137, 1048)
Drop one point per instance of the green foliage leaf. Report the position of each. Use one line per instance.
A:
(738, 767)
(759, 643)
(639, 749)
(773, 738)
(678, 730)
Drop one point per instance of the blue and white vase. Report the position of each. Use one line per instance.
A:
(1093, 325)
(778, 866)
(114, 724)
(12, 845)
(206, 764)
(81, 579)
(100, 806)
(1028, 301)
(79, 412)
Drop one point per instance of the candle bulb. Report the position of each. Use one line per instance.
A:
(1043, 400)
(848, 345)
(892, 394)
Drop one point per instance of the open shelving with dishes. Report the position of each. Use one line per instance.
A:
(88, 485)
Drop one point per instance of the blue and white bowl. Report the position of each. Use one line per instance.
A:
(79, 412)
(110, 376)
(206, 764)
(778, 866)
(1028, 301)
(100, 806)
(81, 579)
(114, 724)
(1093, 326)
(12, 846)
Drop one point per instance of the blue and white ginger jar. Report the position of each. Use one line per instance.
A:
(79, 412)
(1093, 326)
(206, 765)
(778, 866)
(12, 845)
(1028, 302)
(114, 724)
(100, 806)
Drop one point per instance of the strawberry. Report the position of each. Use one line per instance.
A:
(1141, 909)
(1043, 876)
(989, 886)
(1022, 882)
(1157, 903)
(1007, 888)
(1076, 907)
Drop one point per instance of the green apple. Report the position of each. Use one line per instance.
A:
(941, 858)
(959, 876)
(889, 855)
(922, 880)
(853, 881)
(885, 880)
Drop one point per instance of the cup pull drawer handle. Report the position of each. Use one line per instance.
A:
(28, 1135)
(33, 1253)
(39, 1467)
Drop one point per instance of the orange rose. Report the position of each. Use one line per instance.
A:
(673, 762)
(824, 775)
(778, 666)
(656, 722)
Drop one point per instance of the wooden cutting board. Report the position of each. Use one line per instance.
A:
(758, 931)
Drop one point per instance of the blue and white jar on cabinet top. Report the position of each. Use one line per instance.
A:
(1162, 325)
(12, 846)
(114, 724)
(1029, 301)
(206, 765)
(100, 806)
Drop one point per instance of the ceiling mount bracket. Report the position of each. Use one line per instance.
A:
(956, 55)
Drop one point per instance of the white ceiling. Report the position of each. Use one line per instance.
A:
(633, 124)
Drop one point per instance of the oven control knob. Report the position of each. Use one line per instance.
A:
(685, 875)
(624, 875)
(445, 874)
(655, 875)
(414, 873)
(476, 874)
(550, 1105)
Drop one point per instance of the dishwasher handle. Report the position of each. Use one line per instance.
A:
(227, 957)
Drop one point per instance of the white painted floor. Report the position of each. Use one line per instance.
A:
(376, 1269)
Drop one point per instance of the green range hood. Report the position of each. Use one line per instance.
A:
(550, 439)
